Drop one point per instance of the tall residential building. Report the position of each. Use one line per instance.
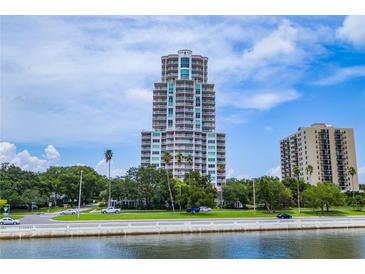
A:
(183, 120)
(330, 151)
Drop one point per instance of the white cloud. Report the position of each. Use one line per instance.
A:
(52, 154)
(260, 100)
(361, 173)
(275, 171)
(230, 172)
(353, 31)
(25, 160)
(274, 47)
(342, 74)
(102, 167)
(98, 83)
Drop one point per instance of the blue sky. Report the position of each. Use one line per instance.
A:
(72, 87)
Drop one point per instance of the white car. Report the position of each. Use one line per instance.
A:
(110, 210)
(9, 221)
(205, 209)
(68, 212)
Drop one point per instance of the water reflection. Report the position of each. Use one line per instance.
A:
(346, 243)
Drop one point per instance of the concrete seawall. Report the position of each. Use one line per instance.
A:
(175, 226)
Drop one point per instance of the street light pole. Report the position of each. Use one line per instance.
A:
(78, 211)
(254, 199)
(298, 197)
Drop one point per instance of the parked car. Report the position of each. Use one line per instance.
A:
(205, 209)
(110, 210)
(9, 221)
(284, 216)
(193, 209)
(68, 212)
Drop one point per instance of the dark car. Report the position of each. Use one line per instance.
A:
(284, 216)
(193, 209)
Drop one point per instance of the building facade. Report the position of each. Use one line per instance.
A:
(183, 120)
(330, 151)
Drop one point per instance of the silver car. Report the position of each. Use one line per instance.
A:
(110, 210)
(9, 221)
(68, 212)
(205, 209)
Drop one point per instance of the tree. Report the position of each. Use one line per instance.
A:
(167, 159)
(309, 170)
(352, 172)
(296, 172)
(272, 193)
(292, 184)
(220, 168)
(358, 202)
(198, 191)
(179, 158)
(108, 155)
(179, 185)
(235, 191)
(324, 195)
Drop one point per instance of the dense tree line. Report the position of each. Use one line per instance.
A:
(273, 194)
(152, 188)
(146, 186)
(57, 185)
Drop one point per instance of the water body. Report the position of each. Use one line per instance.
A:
(321, 244)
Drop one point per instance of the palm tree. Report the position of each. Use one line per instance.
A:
(189, 159)
(296, 172)
(220, 168)
(309, 170)
(167, 159)
(352, 172)
(108, 155)
(179, 158)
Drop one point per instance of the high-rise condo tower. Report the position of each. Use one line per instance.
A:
(183, 120)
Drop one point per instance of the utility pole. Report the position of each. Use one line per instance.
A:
(78, 211)
(254, 198)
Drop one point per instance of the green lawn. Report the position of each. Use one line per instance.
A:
(12, 216)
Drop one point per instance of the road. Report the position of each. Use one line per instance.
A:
(46, 218)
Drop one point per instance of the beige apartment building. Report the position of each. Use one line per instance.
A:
(330, 151)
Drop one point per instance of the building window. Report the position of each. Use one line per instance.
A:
(211, 153)
(211, 159)
(171, 88)
(197, 113)
(211, 141)
(184, 62)
(156, 134)
(171, 112)
(170, 124)
(211, 135)
(197, 124)
(211, 166)
(184, 74)
(197, 102)
(211, 172)
(197, 89)
(155, 159)
(156, 146)
(155, 140)
(155, 152)
(211, 147)
(171, 101)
